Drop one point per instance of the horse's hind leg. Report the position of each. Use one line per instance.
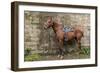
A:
(79, 45)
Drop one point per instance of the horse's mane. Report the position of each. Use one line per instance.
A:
(57, 19)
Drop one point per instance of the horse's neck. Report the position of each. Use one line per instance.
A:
(56, 27)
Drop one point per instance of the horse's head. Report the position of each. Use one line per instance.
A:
(48, 23)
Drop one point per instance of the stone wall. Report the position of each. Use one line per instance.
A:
(38, 39)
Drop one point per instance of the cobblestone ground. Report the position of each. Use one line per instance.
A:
(67, 56)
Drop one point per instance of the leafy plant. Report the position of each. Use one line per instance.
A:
(27, 51)
(33, 57)
(85, 51)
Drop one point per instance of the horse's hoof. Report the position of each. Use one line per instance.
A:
(58, 56)
(62, 57)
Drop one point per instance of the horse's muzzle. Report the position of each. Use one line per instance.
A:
(45, 26)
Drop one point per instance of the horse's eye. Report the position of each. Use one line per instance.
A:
(49, 21)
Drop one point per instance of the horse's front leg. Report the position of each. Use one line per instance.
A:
(61, 50)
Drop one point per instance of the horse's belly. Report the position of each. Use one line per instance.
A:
(70, 35)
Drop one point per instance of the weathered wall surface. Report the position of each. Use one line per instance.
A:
(38, 39)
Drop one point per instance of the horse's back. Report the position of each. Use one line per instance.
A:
(67, 29)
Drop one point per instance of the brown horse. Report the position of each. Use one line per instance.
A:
(76, 34)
